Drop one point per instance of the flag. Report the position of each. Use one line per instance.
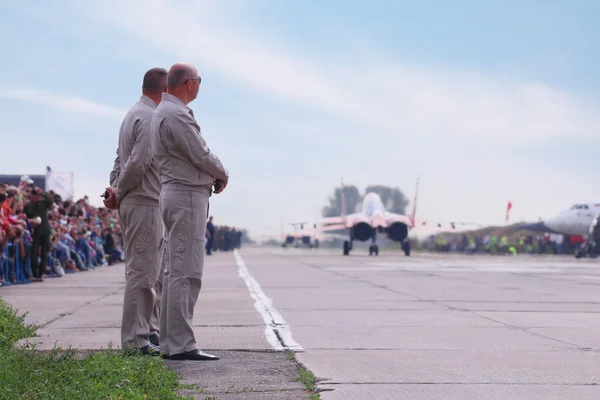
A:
(61, 183)
(508, 207)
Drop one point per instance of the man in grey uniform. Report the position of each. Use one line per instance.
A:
(188, 171)
(134, 191)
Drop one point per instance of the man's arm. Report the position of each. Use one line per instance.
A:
(194, 146)
(28, 211)
(139, 160)
(116, 171)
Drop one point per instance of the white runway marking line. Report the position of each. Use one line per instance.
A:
(273, 319)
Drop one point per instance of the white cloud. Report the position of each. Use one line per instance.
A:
(63, 102)
(378, 94)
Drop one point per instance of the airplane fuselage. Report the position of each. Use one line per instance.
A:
(574, 221)
(374, 210)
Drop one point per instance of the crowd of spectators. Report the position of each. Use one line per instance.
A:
(523, 243)
(226, 238)
(222, 237)
(43, 235)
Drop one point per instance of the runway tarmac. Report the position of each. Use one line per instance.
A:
(429, 326)
(437, 326)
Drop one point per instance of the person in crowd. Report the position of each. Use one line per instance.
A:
(37, 213)
(210, 233)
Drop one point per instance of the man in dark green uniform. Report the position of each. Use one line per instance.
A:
(37, 213)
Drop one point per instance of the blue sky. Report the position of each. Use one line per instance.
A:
(486, 103)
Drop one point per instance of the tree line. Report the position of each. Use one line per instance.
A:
(393, 199)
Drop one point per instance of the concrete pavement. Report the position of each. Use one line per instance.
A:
(83, 311)
(439, 326)
(386, 327)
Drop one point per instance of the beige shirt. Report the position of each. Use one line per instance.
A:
(134, 174)
(180, 152)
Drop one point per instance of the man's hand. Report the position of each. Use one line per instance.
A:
(35, 221)
(220, 185)
(112, 202)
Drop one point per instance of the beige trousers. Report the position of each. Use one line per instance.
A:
(142, 229)
(184, 214)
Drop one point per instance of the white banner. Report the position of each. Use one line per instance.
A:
(61, 183)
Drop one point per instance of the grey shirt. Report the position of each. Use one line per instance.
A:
(180, 152)
(134, 174)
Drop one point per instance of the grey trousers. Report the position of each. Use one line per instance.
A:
(184, 214)
(155, 319)
(142, 229)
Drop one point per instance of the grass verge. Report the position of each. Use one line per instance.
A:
(12, 326)
(306, 377)
(68, 375)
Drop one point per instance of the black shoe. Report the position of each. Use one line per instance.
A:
(196, 355)
(153, 339)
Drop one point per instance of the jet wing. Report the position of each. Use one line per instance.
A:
(337, 223)
(390, 218)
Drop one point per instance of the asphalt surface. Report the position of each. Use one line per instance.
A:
(386, 327)
(439, 326)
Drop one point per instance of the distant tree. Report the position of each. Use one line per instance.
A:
(334, 209)
(272, 242)
(246, 237)
(393, 199)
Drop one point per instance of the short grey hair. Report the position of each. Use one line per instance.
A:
(179, 74)
(154, 80)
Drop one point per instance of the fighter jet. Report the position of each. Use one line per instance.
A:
(301, 234)
(372, 219)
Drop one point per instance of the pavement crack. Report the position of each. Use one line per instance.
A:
(87, 303)
(523, 329)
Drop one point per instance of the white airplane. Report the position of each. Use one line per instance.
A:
(575, 221)
(372, 219)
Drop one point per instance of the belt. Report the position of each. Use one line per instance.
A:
(181, 186)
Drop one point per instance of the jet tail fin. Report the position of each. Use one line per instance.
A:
(414, 210)
(344, 211)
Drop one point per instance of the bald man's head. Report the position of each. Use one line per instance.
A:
(183, 82)
(155, 81)
(180, 73)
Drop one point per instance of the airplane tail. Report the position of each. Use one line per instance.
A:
(414, 210)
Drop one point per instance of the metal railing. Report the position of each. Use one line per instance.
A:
(20, 270)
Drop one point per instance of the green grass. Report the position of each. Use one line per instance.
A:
(12, 326)
(306, 377)
(68, 375)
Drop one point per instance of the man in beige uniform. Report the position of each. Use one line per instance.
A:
(134, 191)
(187, 172)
